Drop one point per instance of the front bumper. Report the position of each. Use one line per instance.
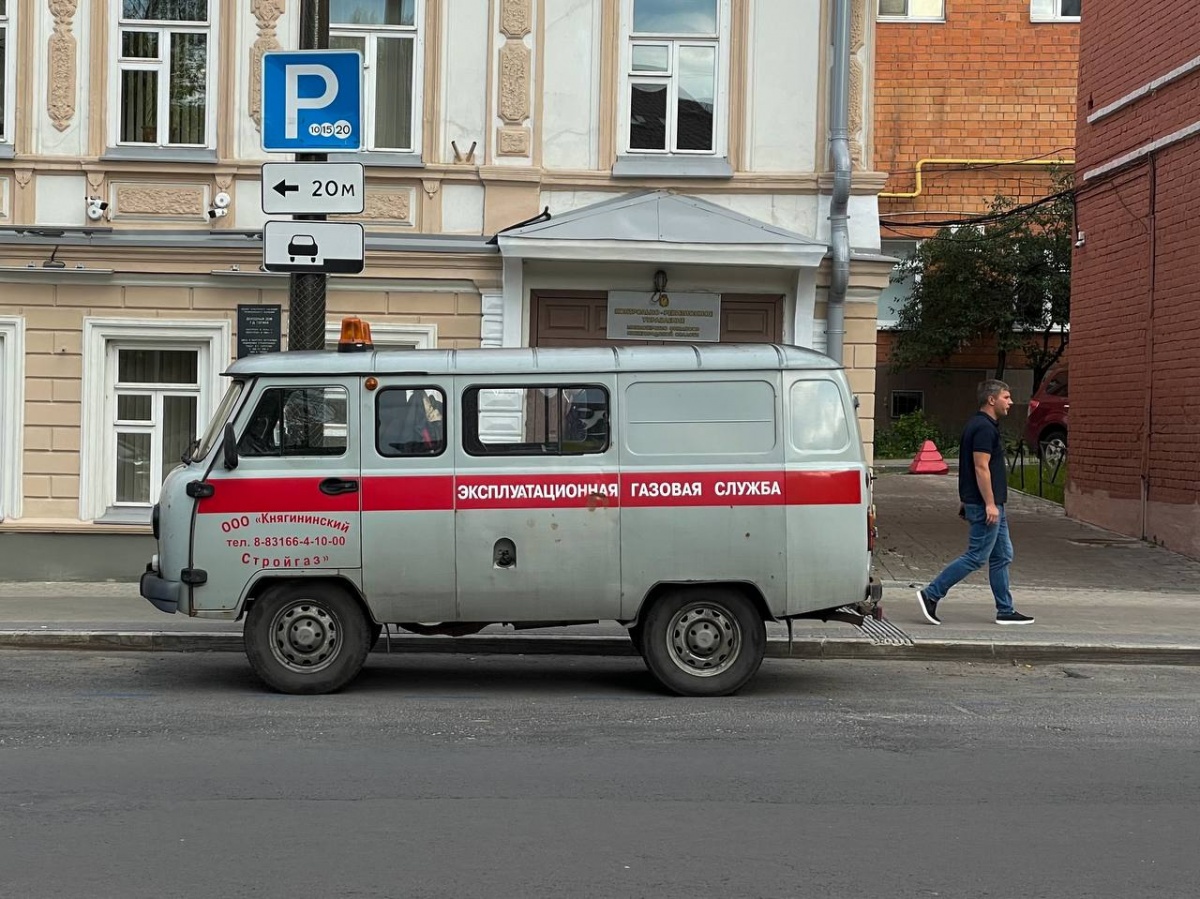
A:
(162, 594)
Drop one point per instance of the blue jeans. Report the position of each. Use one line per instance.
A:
(988, 543)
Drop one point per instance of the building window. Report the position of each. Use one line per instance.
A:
(926, 10)
(905, 402)
(1055, 10)
(155, 409)
(895, 295)
(149, 387)
(675, 70)
(386, 33)
(12, 407)
(165, 73)
(5, 75)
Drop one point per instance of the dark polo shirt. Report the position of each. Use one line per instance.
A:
(982, 435)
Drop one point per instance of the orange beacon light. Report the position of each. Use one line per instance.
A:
(355, 337)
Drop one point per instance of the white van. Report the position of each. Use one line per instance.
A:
(690, 493)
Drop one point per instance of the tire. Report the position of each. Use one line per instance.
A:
(307, 638)
(703, 641)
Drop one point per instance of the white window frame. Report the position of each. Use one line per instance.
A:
(1048, 11)
(369, 35)
(8, 26)
(390, 336)
(12, 413)
(909, 17)
(721, 41)
(117, 65)
(97, 465)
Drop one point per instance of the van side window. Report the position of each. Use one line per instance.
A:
(540, 421)
(818, 417)
(410, 421)
(297, 421)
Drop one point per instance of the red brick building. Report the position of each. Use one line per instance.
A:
(1135, 324)
(974, 98)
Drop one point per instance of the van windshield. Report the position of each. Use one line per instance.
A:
(213, 432)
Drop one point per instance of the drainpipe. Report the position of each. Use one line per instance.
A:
(839, 151)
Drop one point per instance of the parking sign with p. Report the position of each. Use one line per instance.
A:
(312, 101)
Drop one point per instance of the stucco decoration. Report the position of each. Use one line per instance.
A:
(858, 99)
(514, 83)
(390, 206)
(159, 201)
(266, 15)
(95, 182)
(513, 141)
(4, 192)
(515, 18)
(62, 65)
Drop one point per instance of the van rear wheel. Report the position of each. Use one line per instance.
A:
(306, 638)
(703, 641)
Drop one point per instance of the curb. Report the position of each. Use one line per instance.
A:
(801, 649)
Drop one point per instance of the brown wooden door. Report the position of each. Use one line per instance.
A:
(579, 318)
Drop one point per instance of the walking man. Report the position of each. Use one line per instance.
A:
(983, 489)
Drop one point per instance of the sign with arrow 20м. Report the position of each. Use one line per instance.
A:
(312, 188)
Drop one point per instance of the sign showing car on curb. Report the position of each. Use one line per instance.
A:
(312, 101)
(312, 188)
(336, 248)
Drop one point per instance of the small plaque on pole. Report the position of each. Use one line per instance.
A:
(259, 329)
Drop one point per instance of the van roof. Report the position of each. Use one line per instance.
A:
(522, 360)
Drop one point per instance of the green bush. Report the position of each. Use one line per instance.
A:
(905, 437)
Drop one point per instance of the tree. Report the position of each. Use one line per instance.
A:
(1005, 275)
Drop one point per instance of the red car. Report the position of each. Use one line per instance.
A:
(1046, 427)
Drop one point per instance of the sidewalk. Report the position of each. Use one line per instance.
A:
(1096, 596)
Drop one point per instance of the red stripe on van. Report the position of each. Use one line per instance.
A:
(407, 493)
(234, 494)
(824, 488)
(412, 493)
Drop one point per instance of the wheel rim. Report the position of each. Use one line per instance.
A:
(305, 636)
(704, 639)
(1054, 449)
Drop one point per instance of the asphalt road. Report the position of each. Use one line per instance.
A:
(175, 776)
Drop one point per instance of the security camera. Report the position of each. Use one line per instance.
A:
(95, 208)
(217, 213)
(222, 200)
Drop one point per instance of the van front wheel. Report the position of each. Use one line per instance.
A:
(306, 638)
(704, 642)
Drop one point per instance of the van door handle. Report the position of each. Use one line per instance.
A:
(335, 486)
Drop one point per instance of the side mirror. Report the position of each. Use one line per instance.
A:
(229, 447)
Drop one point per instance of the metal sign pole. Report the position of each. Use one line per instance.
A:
(306, 291)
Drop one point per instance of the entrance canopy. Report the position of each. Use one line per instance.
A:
(661, 227)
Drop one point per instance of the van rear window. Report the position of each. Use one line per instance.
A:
(818, 417)
(544, 420)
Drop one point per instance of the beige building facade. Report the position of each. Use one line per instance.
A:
(528, 161)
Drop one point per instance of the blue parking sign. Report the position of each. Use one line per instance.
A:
(312, 101)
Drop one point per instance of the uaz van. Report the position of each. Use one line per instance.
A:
(690, 493)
